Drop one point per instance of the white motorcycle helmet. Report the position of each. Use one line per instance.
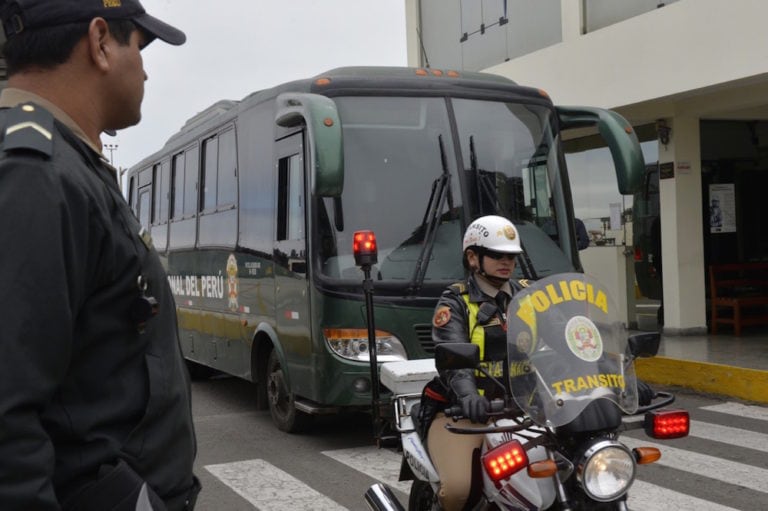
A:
(492, 232)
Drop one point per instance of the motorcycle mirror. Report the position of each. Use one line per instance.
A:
(644, 345)
(456, 355)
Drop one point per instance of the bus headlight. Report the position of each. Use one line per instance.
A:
(352, 343)
(606, 470)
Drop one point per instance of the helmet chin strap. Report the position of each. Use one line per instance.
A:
(496, 281)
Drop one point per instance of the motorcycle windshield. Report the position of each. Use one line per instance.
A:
(566, 349)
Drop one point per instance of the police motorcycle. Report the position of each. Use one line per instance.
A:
(554, 441)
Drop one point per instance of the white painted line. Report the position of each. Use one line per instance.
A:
(649, 497)
(731, 472)
(730, 436)
(270, 489)
(380, 464)
(746, 411)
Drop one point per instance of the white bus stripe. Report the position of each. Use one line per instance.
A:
(380, 464)
(747, 411)
(649, 497)
(269, 488)
(727, 471)
(731, 436)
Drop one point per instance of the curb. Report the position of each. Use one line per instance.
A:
(739, 382)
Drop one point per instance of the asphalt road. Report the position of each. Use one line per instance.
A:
(245, 463)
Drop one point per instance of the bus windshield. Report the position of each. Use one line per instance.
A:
(412, 180)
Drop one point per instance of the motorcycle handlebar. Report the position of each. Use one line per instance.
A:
(455, 412)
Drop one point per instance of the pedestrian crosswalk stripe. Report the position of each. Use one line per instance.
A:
(649, 497)
(731, 436)
(747, 411)
(269, 488)
(380, 464)
(705, 465)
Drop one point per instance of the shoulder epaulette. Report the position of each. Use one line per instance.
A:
(28, 127)
(459, 288)
(523, 282)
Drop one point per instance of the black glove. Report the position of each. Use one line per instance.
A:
(473, 405)
(644, 393)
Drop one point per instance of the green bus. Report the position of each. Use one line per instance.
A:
(646, 232)
(253, 205)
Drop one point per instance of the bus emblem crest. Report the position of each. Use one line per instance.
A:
(232, 282)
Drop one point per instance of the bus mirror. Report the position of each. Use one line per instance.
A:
(620, 137)
(320, 116)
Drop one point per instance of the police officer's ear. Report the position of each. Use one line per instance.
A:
(99, 43)
(472, 259)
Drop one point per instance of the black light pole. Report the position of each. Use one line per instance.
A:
(111, 148)
(366, 255)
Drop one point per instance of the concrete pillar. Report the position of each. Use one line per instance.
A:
(571, 16)
(682, 238)
(412, 26)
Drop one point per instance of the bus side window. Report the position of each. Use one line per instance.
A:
(177, 194)
(191, 167)
(219, 173)
(165, 193)
(131, 195)
(144, 205)
(290, 202)
(227, 172)
(209, 174)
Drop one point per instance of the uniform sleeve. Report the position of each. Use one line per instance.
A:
(42, 267)
(450, 322)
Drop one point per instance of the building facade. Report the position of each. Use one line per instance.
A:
(690, 75)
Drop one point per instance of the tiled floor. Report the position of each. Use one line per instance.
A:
(750, 350)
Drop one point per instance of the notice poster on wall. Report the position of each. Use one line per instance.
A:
(722, 208)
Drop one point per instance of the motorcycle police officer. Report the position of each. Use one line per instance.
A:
(94, 395)
(473, 311)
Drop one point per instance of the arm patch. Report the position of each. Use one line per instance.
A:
(28, 127)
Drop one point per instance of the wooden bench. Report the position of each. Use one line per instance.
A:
(741, 287)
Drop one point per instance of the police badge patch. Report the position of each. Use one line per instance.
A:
(442, 316)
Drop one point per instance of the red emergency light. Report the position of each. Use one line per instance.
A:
(666, 424)
(364, 248)
(505, 460)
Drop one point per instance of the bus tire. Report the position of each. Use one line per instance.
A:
(281, 400)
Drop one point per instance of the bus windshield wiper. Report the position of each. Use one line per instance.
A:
(441, 191)
(484, 183)
(486, 189)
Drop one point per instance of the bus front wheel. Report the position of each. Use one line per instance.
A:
(282, 406)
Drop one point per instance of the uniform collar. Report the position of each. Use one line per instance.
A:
(11, 97)
(479, 285)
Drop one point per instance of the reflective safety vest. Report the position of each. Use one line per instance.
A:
(497, 328)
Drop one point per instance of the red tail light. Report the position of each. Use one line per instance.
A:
(665, 424)
(638, 254)
(504, 460)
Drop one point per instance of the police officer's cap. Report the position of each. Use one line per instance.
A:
(20, 15)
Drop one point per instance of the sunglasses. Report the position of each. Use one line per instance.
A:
(497, 256)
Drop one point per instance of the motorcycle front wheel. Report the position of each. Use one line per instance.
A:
(422, 497)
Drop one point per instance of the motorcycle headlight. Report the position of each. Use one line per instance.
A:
(606, 470)
(352, 343)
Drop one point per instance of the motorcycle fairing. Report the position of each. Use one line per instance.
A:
(566, 349)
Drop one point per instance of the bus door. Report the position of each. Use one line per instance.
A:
(290, 262)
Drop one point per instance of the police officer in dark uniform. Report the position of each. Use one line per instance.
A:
(94, 395)
(473, 311)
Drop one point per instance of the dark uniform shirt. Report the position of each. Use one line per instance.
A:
(452, 321)
(82, 383)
